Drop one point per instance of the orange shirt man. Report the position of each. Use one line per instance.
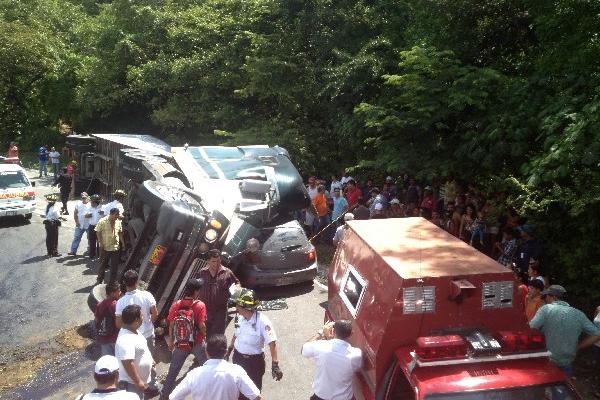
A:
(533, 301)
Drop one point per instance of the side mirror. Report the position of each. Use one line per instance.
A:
(33, 184)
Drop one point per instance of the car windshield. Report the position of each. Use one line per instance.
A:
(541, 392)
(13, 180)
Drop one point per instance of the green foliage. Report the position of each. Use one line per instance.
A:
(503, 93)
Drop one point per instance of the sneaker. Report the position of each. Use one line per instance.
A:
(71, 254)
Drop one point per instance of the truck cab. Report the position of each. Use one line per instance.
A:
(435, 318)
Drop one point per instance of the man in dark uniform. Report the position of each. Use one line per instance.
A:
(253, 330)
(64, 183)
(215, 292)
(51, 223)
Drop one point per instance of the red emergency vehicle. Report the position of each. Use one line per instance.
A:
(435, 318)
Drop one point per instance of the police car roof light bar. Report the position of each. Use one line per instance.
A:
(521, 342)
(416, 362)
(441, 347)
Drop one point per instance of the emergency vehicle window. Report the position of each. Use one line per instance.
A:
(352, 290)
(541, 392)
(13, 180)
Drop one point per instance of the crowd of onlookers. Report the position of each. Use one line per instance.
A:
(482, 220)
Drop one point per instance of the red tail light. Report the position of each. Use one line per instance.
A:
(311, 256)
(521, 342)
(431, 348)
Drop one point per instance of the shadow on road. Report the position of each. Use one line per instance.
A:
(272, 293)
(11, 222)
(34, 260)
(86, 289)
(77, 261)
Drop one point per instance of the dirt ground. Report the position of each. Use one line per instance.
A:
(19, 366)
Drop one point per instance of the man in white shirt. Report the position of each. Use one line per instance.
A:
(345, 178)
(135, 360)
(119, 196)
(94, 217)
(106, 375)
(145, 300)
(337, 361)
(55, 159)
(82, 222)
(253, 330)
(217, 378)
(340, 229)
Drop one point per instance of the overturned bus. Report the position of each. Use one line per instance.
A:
(184, 201)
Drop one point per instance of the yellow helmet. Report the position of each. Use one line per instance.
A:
(247, 299)
(52, 198)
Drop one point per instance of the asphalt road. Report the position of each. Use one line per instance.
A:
(41, 296)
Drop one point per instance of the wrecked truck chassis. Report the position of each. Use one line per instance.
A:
(169, 229)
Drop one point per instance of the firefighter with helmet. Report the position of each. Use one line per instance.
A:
(252, 331)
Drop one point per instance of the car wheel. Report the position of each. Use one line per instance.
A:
(28, 216)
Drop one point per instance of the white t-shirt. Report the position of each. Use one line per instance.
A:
(113, 204)
(133, 346)
(216, 380)
(252, 335)
(83, 209)
(53, 213)
(345, 179)
(312, 192)
(54, 157)
(110, 395)
(338, 234)
(145, 300)
(95, 211)
(337, 362)
(335, 184)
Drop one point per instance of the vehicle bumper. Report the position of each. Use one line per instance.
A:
(254, 276)
(16, 208)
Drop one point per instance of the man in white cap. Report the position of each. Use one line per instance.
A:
(82, 222)
(340, 230)
(106, 375)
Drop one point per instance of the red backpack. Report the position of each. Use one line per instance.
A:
(184, 326)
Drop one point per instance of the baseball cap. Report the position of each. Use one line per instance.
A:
(555, 290)
(389, 178)
(394, 201)
(106, 365)
(84, 194)
(348, 217)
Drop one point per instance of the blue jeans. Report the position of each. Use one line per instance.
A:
(55, 169)
(107, 349)
(43, 168)
(77, 238)
(177, 359)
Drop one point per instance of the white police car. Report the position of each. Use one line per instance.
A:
(16, 191)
